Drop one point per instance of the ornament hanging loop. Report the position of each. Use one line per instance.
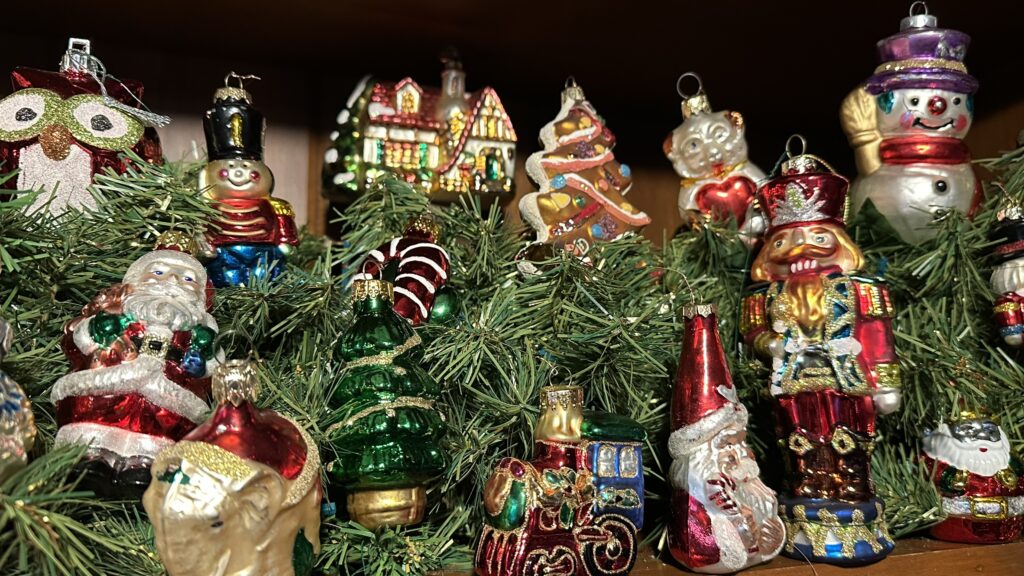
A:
(789, 145)
(572, 91)
(695, 103)
(239, 79)
(919, 17)
(679, 85)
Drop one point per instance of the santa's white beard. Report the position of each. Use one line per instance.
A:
(165, 304)
(967, 455)
(694, 473)
(65, 181)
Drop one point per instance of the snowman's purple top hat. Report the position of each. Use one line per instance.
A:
(923, 56)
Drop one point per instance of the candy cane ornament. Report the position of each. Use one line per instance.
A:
(421, 269)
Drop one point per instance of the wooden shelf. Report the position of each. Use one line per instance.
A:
(912, 557)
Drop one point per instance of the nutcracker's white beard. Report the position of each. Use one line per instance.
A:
(165, 304)
(1009, 277)
(967, 455)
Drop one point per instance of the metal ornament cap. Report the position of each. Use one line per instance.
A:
(373, 288)
(694, 310)
(235, 381)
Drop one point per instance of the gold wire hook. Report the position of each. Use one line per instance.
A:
(239, 78)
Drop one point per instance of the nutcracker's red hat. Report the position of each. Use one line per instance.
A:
(703, 399)
(806, 191)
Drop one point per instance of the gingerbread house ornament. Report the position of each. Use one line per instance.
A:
(443, 140)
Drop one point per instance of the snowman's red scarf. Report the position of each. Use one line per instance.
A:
(923, 150)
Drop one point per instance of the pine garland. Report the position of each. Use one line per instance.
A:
(610, 325)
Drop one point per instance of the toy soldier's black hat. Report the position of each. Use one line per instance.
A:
(234, 129)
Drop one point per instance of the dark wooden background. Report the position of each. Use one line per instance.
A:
(785, 65)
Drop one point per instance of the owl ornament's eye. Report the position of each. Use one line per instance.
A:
(25, 113)
(99, 125)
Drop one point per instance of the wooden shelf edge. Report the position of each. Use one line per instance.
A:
(912, 557)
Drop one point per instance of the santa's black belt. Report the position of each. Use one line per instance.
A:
(157, 347)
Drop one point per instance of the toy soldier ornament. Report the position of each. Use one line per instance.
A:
(724, 519)
(826, 327)
(978, 479)
(907, 124)
(1008, 274)
(141, 355)
(255, 231)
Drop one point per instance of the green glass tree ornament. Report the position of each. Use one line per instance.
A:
(388, 430)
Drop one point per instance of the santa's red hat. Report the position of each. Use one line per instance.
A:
(703, 399)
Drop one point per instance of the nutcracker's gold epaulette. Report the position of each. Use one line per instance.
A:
(281, 207)
(753, 313)
(874, 297)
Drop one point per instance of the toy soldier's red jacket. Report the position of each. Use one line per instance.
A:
(1008, 314)
(982, 509)
(254, 221)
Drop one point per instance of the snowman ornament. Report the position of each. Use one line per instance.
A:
(709, 152)
(907, 124)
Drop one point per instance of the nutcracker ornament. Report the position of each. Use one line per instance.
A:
(1008, 274)
(444, 141)
(418, 269)
(17, 425)
(724, 519)
(574, 509)
(581, 199)
(60, 129)
(240, 494)
(141, 354)
(255, 231)
(388, 430)
(907, 125)
(709, 152)
(978, 479)
(827, 329)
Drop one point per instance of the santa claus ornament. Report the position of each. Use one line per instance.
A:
(1008, 274)
(240, 494)
(255, 231)
(581, 200)
(724, 519)
(827, 329)
(141, 354)
(60, 129)
(576, 508)
(709, 152)
(17, 424)
(907, 124)
(978, 479)
(418, 269)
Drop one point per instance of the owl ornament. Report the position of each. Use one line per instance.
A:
(240, 494)
(709, 152)
(581, 200)
(17, 425)
(60, 129)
